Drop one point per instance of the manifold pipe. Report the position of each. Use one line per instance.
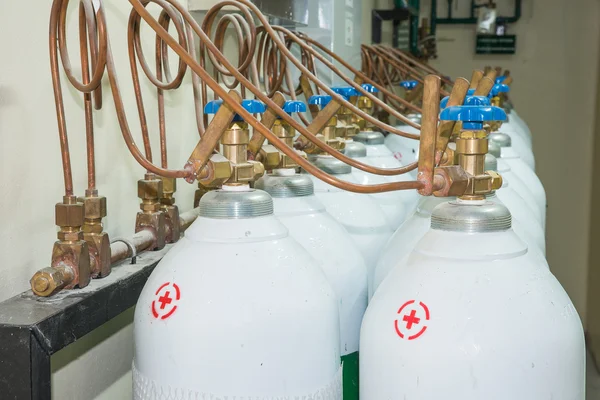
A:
(122, 249)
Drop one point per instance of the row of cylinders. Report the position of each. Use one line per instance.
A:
(295, 289)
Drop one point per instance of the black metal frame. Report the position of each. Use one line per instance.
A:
(34, 328)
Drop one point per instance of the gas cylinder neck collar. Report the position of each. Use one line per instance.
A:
(471, 216)
(234, 204)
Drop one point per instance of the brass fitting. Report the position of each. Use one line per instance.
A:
(167, 205)
(70, 265)
(49, 281)
(346, 128)
(269, 156)
(93, 233)
(219, 171)
(471, 148)
(150, 190)
(286, 133)
(455, 179)
(235, 148)
(365, 104)
(329, 136)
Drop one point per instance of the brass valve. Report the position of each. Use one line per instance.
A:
(168, 206)
(235, 148)
(70, 265)
(471, 148)
(93, 233)
(284, 131)
(150, 191)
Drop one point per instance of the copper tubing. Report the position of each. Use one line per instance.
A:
(492, 74)
(431, 110)
(475, 78)
(87, 26)
(457, 98)
(219, 91)
(96, 25)
(413, 60)
(253, 122)
(205, 147)
(485, 85)
(268, 120)
(349, 81)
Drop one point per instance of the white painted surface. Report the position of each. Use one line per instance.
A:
(555, 39)
(333, 249)
(359, 214)
(495, 315)
(29, 134)
(256, 317)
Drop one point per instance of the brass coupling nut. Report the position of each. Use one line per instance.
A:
(51, 280)
(219, 171)
(172, 224)
(269, 156)
(150, 190)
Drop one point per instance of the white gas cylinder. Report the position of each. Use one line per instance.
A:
(359, 214)
(237, 309)
(331, 246)
(378, 155)
(404, 149)
(471, 315)
(394, 204)
(416, 226)
(519, 144)
(525, 223)
(521, 126)
(519, 168)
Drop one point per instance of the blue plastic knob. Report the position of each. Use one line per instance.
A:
(473, 117)
(251, 105)
(409, 85)
(346, 91)
(499, 88)
(499, 79)
(320, 100)
(291, 106)
(369, 88)
(469, 101)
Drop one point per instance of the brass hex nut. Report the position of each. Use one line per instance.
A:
(169, 185)
(496, 179)
(456, 181)
(94, 207)
(69, 236)
(48, 281)
(150, 189)
(173, 230)
(220, 170)
(76, 256)
(69, 214)
(258, 170)
(270, 156)
(156, 223)
(99, 247)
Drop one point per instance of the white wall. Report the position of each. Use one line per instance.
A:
(555, 74)
(32, 177)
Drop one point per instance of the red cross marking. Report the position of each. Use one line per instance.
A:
(164, 300)
(165, 305)
(415, 326)
(409, 319)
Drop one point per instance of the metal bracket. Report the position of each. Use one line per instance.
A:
(33, 328)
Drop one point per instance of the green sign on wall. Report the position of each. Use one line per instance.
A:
(493, 44)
